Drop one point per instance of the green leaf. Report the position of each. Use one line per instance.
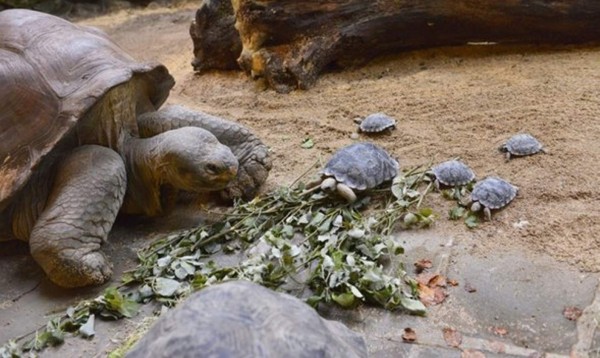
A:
(287, 231)
(116, 302)
(426, 212)
(413, 306)
(355, 291)
(87, 329)
(165, 287)
(472, 221)
(457, 212)
(356, 233)
(346, 300)
(397, 192)
(307, 143)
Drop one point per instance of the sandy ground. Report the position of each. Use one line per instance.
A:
(456, 102)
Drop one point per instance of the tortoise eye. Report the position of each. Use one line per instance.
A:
(212, 168)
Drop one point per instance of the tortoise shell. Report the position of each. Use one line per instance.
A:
(494, 192)
(53, 72)
(376, 123)
(361, 166)
(521, 145)
(453, 173)
(243, 319)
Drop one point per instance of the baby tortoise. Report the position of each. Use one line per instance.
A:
(452, 173)
(521, 145)
(359, 166)
(376, 123)
(492, 193)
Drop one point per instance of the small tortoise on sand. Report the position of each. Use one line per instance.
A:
(243, 319)
(72, 146)
(452, 173)
(376, 123)
(521, 145)
(359, 166)
(492, 193)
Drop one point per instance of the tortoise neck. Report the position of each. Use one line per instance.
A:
(144, 158)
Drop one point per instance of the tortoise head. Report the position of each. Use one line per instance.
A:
(192, 159)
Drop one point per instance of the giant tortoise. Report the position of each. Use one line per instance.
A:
(82, 139)
(243, 319)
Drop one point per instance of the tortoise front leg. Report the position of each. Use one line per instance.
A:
(252, 154)
(83, 203)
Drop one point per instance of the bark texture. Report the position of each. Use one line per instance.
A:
(289, 42)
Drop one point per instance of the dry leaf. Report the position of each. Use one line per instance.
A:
(572, 313)
(437, 281)
(409, 335)
(431, 289)
(452, 337)
(422, 265)
(452, 282)
(439, 295)
(425, 277)
(471, 353)
(426, 294)
(500, 331)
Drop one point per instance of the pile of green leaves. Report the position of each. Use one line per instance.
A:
(461, 211)
(298, 240)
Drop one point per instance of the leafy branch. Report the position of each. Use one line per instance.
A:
(294, 239)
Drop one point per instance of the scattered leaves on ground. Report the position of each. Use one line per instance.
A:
(572, 313)
(409, 335)
(292, 236)
(452, 337)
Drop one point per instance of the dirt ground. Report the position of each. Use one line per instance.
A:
(454, 102)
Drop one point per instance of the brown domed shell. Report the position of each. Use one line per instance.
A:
(52, 72)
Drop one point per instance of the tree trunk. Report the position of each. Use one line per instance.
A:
(289, 42)
(217, 44)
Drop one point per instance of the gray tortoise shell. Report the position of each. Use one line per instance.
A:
(522, 144)
(361, 166)
(494, 192)
(453, 172)
(243, 319)
(377, 122)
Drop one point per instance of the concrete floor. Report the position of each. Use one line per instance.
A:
(516, 292)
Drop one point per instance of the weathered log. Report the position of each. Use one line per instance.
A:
(289, 42)
(217, 44)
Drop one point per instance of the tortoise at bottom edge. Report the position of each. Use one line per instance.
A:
(244, 319)
(82, 140)
(359, 166)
